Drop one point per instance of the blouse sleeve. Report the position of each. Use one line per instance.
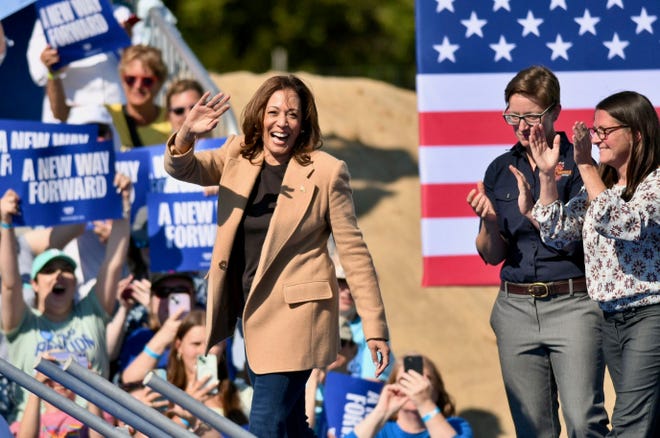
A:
(614, 218)
(561, 224)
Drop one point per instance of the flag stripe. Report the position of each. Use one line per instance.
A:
(452, 235)
(446, 200)
(456, 164)
(457, 128)
(458, 270)
(485, 92)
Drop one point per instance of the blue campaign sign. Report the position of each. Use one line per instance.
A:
(61, 173)
(182, 229)
(162, 182)
(8, 7)
(80, 28)
(135, 164)
(347, 400)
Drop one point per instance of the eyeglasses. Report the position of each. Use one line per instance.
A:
(603, 133)
(530, 119)
(143, 81)
(164, 291)
(180, 110)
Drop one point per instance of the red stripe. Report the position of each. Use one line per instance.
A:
(446, 200)
(482, 127)
(459, 271)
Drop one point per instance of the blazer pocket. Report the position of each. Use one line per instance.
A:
(310, 291)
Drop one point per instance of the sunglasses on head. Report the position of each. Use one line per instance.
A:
(143, 81)
(164, 291)
(180, 110)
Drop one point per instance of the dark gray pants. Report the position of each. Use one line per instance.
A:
(631, 340)
(551, 351)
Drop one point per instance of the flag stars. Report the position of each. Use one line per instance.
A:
(502, 49)
(558, 4)
(587, 23)
(444, 4)
(559, 48)
(616, 47)
(474, 25)
(612, 3)
(644, 21)
(501, 4)
(530, 24)
(446, 50)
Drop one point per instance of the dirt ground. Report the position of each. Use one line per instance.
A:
(373, 127)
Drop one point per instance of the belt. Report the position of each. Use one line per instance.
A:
(542, 290)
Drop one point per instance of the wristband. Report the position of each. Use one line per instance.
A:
(6, 225)
(151, 353)
(431, 414)
(184, 421)
(53, 76)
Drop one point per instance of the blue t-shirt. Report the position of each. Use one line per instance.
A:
(392, 430)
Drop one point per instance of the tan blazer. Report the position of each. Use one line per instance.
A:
(290, 317)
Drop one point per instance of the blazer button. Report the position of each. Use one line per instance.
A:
(223, 265)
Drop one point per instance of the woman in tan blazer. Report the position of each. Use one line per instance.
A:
(279, 199)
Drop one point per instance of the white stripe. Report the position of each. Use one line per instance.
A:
(449, 236)
(456, 164)
(485, 92)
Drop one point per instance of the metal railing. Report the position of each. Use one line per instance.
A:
(182, 62)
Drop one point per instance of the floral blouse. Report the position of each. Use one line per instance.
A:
(621, 241)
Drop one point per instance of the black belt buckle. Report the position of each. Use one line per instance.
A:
(538, 290)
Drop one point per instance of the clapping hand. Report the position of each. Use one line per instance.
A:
(545, 157)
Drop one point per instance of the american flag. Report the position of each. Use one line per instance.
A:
(467, 51)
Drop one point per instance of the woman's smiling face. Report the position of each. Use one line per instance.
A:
(282, 125)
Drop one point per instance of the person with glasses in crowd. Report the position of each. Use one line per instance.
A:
(617, 215)
(180, 97)
(548, 330)
(147, 348)
(141, 122)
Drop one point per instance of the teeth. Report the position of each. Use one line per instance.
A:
(280, 135)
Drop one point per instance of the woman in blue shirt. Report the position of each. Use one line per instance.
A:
(420, 404)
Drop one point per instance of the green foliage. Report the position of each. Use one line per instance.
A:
(371, 38)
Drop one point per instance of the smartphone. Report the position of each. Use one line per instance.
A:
(62, 356)
(208, 366)
(179, 301)
(414, 363)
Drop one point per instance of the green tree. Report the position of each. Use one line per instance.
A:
(368, 38)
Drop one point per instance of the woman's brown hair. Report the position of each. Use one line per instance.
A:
(176, 373)
(443, 400)
(253, 119)
(636, 112)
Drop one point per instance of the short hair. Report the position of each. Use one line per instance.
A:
(538, 82)
(180, 86)
(253, 118)
(635, 111)
(150, 56)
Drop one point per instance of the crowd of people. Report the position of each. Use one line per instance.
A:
(291, 276)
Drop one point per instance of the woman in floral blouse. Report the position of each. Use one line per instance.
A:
(618, 217)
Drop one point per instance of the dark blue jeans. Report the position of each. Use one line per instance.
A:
(631, 341)
(278, 405)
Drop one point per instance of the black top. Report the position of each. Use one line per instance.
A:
(251, 233)
(528, 259)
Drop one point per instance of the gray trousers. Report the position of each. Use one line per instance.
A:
(631, 340)
(550, 352)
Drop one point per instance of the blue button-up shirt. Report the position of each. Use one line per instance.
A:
(527, 258)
